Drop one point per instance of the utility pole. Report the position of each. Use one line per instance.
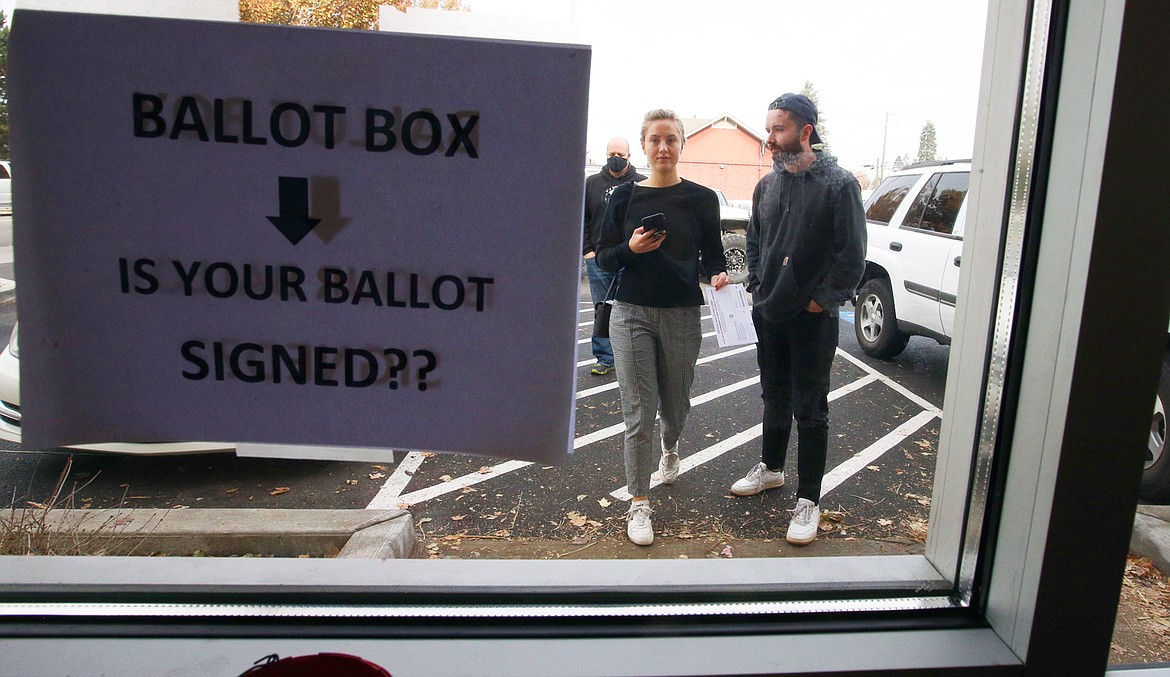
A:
(882, 164)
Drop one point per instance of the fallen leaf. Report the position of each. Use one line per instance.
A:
(456, 518)
(726, 552)
(483, 470)
(404, 506)
(885, 523)
(377, 475)
(576, 518)
(873, 467)
(379, 467)
(34, 504)
(351, 481)
(279, 490)
(446, 478)
(604, 503)
(581, 497)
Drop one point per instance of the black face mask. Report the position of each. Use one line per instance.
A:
(616, 164)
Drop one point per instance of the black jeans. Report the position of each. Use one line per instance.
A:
(795, 357)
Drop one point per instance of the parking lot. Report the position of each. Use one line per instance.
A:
(884, 426)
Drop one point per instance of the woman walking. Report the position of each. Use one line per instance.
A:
(660, 236)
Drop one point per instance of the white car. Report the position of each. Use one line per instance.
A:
(914, 222)
(5, 187)
(10, 414)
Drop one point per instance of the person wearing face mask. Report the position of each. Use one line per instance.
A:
(617, 170)
(806, 254)
(663, 235)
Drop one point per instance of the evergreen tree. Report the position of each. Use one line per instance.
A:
(926, 143)
(899, 163)
(811, 92)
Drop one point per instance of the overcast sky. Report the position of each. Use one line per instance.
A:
(915, 60)
(881, 68)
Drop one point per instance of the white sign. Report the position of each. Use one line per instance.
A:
(280, 235)
(731, 310)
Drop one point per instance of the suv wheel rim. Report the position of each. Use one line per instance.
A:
(736, 260)
(1157, 443)
(871, 318)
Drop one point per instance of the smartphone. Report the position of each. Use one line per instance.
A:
(655, 223)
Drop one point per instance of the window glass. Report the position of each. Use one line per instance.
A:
(914, 214)
(888, 196)
(937, 208)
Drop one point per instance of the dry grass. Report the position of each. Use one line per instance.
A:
(56, 527)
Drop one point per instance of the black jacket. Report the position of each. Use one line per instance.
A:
(597, 190)
(806, 239)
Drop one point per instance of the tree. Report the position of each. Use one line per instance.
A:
(4, 151)
(811, 92)
(926, 143)
(899, 163)
(332, 13)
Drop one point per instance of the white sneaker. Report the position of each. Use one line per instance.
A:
(806, 518)
(668, 464)
(759, 479)
(638, 523)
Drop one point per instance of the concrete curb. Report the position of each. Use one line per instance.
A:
(229, 532)
(7, 291)
(1151, 535)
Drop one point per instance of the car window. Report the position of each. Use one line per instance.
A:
(4, 173)
(888, 196)
(937, 206)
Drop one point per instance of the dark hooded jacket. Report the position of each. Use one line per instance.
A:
(806, 239)
(597, 190)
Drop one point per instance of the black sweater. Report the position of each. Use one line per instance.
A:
(669, 276)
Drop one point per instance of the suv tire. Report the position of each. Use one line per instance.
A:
(735, 251)
(1155, 487)
(875, 321)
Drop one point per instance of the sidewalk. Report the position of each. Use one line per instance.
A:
(1151, 535)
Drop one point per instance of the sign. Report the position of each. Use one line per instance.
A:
(279, 235)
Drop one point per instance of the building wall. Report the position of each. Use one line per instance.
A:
(728, 159)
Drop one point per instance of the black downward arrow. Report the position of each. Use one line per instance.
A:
(294, 222)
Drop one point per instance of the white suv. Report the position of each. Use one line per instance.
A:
(915, 222)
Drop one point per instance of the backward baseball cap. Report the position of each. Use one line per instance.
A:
(801, 106)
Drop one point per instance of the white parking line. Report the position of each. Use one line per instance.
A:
(390, 495)
(897, 387)
(866, 456)
(739, 439)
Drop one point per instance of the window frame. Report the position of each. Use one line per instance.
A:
(1058, 455)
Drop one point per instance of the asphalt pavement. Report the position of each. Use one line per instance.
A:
(372, 532)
